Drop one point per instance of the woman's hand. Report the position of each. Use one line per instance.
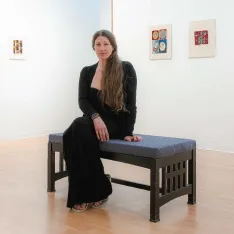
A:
(101, 129)
(133, 138)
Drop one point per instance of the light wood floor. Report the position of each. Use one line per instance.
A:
(26, 207)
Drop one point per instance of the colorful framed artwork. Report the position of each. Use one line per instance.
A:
(160, 42)
(16, 48)
(202, 39)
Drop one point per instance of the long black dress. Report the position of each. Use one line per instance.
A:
(87, 180)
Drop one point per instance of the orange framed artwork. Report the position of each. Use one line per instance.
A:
(16, 46)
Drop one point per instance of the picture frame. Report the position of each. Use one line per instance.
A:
(112, 16)
(16, 48)
(160, 42)
(202, 39)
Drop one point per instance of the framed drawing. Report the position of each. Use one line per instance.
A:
(16, 48)
(202, 39)
(160, 42)
(112, 16)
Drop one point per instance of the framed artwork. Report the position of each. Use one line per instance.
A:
(160, 42)
(112, 16)
(202, 39)
(16, 48)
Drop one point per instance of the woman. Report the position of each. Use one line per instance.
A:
(107, 98)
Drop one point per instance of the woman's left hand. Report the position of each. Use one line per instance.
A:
(133, 138)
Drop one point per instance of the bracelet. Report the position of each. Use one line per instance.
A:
(94, 116)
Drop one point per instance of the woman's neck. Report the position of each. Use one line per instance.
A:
(101, 64)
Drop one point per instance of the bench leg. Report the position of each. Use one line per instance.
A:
(192, 178)
(51, 169)
(154, 193)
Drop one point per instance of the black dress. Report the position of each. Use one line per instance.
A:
(87, 180)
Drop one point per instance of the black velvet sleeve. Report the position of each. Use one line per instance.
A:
(131, 88)
(83, 90)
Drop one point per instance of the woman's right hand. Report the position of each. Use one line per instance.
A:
(101, 129)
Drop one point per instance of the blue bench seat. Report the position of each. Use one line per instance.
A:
(150, 146)
(171, 161)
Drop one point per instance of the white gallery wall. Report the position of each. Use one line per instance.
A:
(106, 14)
(181, 97)
(39, 95)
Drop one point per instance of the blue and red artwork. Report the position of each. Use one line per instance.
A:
(159, 41)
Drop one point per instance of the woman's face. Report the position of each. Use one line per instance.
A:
(103, 48)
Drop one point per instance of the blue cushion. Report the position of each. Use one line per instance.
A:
(56, 138)
(150, 146)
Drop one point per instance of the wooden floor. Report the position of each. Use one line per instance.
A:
(26, 207)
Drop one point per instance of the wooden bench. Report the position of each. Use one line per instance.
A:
(171, 161)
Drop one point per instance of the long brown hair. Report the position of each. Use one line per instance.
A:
(112, 76)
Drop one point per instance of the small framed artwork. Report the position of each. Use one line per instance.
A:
(16, 48)
(160, 42)
(202, 39)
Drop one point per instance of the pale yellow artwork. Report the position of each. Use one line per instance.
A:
(16, 48)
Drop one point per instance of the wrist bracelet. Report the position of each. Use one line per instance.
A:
(94, 116)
